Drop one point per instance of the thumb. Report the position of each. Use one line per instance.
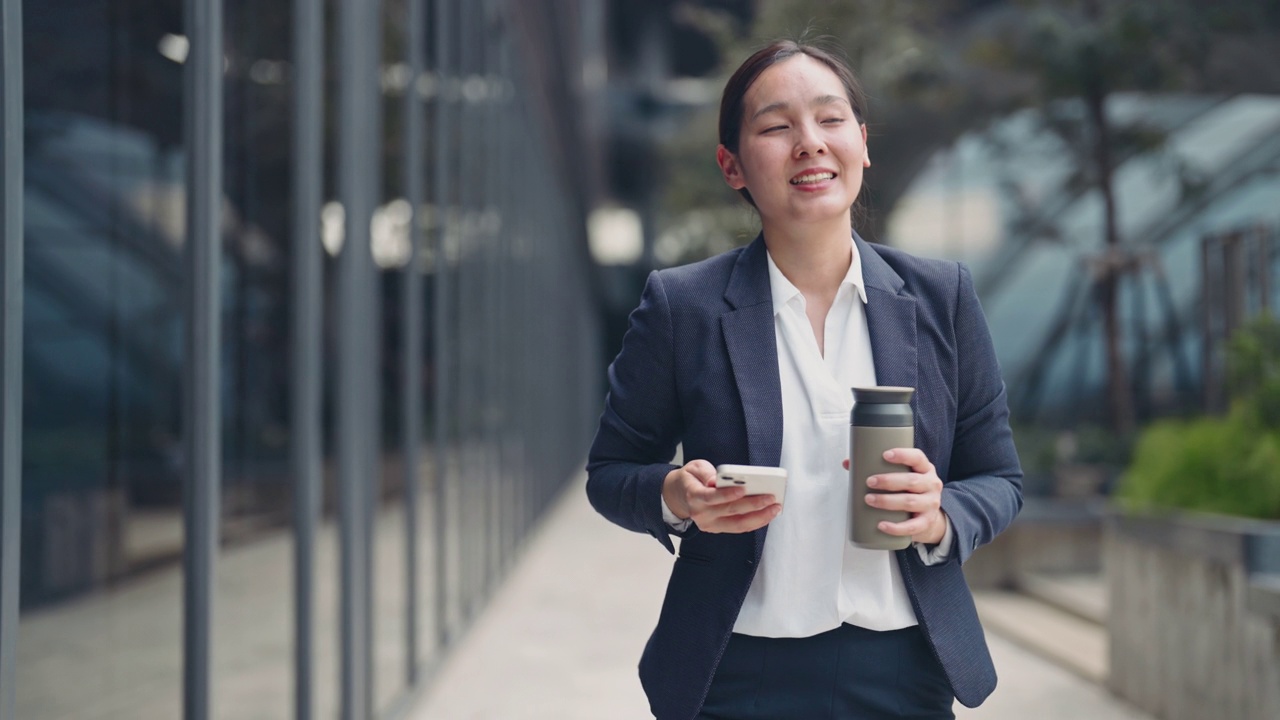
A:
(702, 470)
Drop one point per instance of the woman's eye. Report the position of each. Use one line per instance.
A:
(833, 121)
(773, 128)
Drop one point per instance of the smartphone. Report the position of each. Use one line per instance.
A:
(757, 479)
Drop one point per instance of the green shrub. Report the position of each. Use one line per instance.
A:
(1219, 464)
(1225, 465)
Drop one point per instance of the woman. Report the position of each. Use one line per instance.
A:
(748, 358)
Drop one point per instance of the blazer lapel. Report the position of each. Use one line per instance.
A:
(891, 320)
(753, 353)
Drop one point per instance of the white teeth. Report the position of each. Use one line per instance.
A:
(814, 178)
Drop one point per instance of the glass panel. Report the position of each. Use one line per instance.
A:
(101, 613)
(428, 527)
(390, 239)
(253, 604)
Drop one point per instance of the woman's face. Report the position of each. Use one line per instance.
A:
(802, 150)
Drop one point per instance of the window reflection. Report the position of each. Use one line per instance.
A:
(102, 456)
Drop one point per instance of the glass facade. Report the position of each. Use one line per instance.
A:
(391, 419)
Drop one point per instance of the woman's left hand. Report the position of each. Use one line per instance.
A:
(917, 491)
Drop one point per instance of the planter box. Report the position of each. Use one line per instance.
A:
(1194, 615)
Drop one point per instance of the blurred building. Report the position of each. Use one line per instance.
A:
(407, 332)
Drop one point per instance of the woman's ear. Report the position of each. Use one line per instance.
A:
(730, 168)
(866, 152)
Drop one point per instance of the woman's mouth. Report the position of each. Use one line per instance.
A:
(813, 178)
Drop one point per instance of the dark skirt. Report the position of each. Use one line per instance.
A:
(849, 673)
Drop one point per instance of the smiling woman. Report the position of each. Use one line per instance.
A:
(799, 126)
(748, 358)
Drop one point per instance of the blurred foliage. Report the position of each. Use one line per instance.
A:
(1226, 465)
(1220, 464)
(1253, 370)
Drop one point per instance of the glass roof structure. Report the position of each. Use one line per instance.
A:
(1016, 203)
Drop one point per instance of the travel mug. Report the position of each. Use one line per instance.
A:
(881, 420)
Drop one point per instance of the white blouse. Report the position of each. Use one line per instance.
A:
(811, 578)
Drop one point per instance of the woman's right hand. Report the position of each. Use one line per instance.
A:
(690, 492)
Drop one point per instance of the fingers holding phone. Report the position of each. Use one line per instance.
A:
(695, 491)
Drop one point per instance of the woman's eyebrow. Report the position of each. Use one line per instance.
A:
(784, 106)
(771, 107)
(827, 100)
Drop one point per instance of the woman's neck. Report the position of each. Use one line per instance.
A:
(814, 259)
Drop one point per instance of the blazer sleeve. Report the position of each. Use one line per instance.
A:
(983, 490)
(641, 423)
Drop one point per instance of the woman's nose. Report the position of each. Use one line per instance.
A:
(809, 141)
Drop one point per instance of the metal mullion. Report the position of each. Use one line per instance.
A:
(458, 318)
(479, 324)
(542, 327)
(358, 182)
(502, 531)
(528, 219)
(479, 567)
(202, 118)
(442, 184)
(511, 222)
(412, 330)
(497, 358)
(465, 315)
(371, 291)
(11, 289)
(537, 211)
(515, 314)
(306, 327)
(371, 377)
(489, 287)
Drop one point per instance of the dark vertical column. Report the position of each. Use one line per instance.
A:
(471, 312)
(1263, 239)
(1208, 298)
(502, 292)
(459, 310)
(411, 313)
(444, 390)
(493, 356)
(1234, 282)
(305, 325)
(202, 415)
(10, 348)
(358, 98)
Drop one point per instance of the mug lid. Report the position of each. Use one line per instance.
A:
(883, 394)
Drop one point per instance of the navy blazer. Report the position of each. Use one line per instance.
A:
(699, 366)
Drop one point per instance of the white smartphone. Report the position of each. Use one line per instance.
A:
(757, 479)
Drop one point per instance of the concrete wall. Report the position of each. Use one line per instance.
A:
(1194, 621)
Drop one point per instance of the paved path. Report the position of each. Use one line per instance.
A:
(561, 639)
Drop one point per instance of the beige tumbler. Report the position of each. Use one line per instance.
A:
(881, 420)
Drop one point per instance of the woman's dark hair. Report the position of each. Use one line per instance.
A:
(735, 91)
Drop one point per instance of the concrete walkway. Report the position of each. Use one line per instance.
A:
(561, 639)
